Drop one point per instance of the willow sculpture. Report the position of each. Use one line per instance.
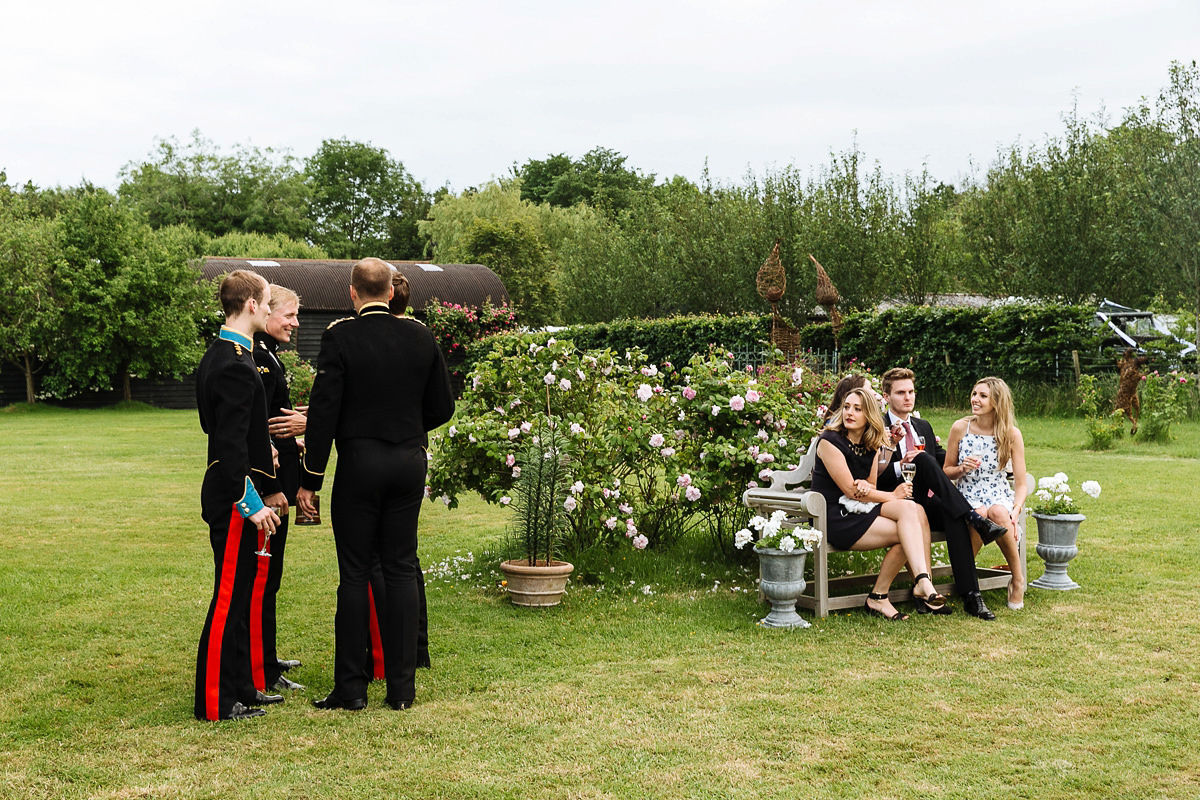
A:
(827, 296)
(771, 282)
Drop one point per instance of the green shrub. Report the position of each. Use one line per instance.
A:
(1164, 402)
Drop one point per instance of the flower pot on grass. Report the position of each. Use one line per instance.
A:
(536, 586)
(1056, 545)
(782, 583)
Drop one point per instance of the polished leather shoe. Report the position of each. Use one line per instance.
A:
(973, 604)
(287, 663)
(284, 683)
(398, 705)
(261, 699)
(240, 711)
(988, 531)
(333, 702)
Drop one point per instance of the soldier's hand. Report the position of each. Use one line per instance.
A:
(278, 500)
(304, 499)
(289, 424)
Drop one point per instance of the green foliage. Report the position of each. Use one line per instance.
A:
(458, 329)
(260, 245)
(30, 316)
(300, 376)
(133, 300)
(1164, 402)
(672, 340)
(656, 451)
(364, 203)
(541, 493)
(600, 179)
(517, 254)
(951, 348)
(249, 191)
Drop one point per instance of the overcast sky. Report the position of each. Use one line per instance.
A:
(459, 90)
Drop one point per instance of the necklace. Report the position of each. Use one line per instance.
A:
(858, 449)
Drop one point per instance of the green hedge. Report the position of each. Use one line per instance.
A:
(673, 339)
(951, 348)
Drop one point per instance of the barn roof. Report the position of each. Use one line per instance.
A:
(323, 285)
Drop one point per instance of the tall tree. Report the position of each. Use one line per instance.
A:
(133, 299)
(600, 179)
(364, 202)
(250, 190)
(30, 317)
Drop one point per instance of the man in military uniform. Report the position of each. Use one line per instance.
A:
(239, 487)
(285, 424)
(381, 386)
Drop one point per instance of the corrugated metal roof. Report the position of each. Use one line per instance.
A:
(325, 285)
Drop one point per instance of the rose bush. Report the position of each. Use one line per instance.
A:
(655, 450)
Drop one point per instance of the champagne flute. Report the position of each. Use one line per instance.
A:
(267, 536)
(908, 471)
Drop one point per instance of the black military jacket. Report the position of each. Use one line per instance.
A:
(233, 412)
(378, 377)
(274, 379)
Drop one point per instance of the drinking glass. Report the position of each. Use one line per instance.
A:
(908, 471)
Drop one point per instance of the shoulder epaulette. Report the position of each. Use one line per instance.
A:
(337, 321)
(238, 350)
(414, 319)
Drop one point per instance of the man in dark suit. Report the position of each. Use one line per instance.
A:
(946, 508)
(285, 424)
(381, 386)
(240, 486)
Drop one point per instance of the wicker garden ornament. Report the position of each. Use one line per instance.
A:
(827, 296)
(772, 281)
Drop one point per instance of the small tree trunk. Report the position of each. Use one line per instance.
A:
(29, 396)
(127, 390)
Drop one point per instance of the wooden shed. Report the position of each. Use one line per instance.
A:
(324, 288)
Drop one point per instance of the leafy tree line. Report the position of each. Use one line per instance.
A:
(1096, 211)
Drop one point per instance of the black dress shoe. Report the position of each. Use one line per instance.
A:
(239, 711)
(284, 683)
(973, 604)
(988, 531)
(398, 705)
(261, 699)
(287, 663)
(333, 702)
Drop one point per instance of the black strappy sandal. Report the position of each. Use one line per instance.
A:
(930, 604)
(897, 617)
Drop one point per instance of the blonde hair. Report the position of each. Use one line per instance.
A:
(281, 296)
(875, 433)
(1003, 418)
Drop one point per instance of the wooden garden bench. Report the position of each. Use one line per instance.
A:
(789, 492)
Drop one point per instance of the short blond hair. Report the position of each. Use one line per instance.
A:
(282, 295)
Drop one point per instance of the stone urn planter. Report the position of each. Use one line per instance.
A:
(782, 583)
(537, 586)
(1057, 534)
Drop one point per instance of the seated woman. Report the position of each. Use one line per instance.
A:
(979, 448)
(854, 381)
(848, 456)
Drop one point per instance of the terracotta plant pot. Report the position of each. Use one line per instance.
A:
(538, 586)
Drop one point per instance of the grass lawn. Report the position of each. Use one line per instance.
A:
(624, 692)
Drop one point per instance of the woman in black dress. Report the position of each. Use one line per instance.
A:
(848, 455)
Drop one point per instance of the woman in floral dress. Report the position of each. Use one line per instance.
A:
(982, 449)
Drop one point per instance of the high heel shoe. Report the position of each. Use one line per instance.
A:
(897, 617)
(1011, 605)
(931, 603)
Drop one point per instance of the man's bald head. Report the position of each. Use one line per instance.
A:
(371, 280)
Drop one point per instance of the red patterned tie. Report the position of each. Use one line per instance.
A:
(910, 441)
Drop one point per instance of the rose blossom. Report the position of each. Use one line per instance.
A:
(576, 428)
(576, 487)
(689, 393)
(644, 391)
(610, 523)
(516, 472)
(514, 433)
(565, 384)
(526, 427)
(625, 508)
(508, 462)
(657, 440)
(549, 379)
(737, 402)
(684, 480)
(505, 500)
(752, 396)
(569, 504)
(667, 452)
(640, 541)
(692, 493)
